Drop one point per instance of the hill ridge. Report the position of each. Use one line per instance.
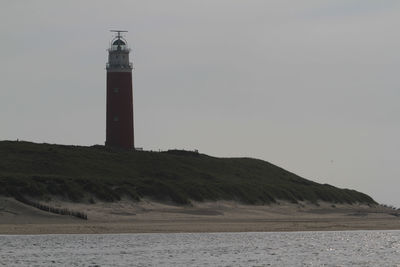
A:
(80, 173)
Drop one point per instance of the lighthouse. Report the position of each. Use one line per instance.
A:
(119, 117)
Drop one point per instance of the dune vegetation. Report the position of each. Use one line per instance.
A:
(79, 173)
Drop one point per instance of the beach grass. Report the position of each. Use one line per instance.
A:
(80, 173)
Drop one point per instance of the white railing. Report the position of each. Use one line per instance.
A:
(130, 65)
(119, 48)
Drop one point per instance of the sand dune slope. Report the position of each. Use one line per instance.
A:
(222, 216)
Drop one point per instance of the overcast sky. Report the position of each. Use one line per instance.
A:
(312, 86)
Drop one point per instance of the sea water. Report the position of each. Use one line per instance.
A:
(342, 248)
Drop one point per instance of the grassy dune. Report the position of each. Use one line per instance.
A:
(80, 173)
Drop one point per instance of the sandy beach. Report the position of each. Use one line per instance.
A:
(222, 216)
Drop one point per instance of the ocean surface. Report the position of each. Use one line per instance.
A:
(345, 248)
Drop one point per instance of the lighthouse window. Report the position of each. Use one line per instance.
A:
(116, 118)
(116, 90)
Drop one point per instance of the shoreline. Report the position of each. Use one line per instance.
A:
(115, 228)
(147, 216)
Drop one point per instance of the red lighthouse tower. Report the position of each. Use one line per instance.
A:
(119, 129)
